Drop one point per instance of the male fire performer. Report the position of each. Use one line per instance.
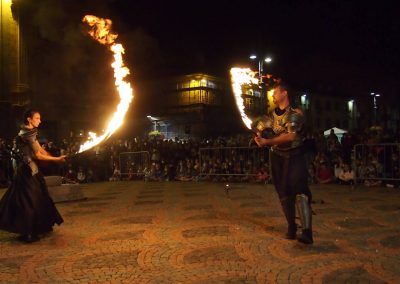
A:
(289, 170)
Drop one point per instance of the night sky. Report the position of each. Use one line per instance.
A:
(343, 47)
(346, 48)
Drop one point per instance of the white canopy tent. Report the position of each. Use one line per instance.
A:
(339, 132)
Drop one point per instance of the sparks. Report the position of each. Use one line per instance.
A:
(101, 31)
(240, 77)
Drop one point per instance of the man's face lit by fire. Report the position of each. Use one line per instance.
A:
(279, 95)
(34, 121)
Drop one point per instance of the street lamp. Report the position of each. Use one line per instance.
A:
(374, 95)
(352, 109)
(303, 99)
(153, 120)
(260, 64)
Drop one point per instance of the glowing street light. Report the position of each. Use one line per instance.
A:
(154, 121)
(268, 59)
(352, 110)
(260, 64)
(375, 104)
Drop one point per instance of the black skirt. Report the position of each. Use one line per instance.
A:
(26, 207)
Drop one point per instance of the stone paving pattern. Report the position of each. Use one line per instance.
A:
(176, 232)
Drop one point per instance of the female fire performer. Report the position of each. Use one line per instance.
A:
(27, 208)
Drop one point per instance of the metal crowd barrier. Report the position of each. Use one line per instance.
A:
(240, 161)
(134, 162)
(377, 162)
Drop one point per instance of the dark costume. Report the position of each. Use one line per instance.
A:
(27, 208)
(289, 170)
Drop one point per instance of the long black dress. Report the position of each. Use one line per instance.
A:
(26, 207)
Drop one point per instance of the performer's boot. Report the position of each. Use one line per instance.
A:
(288, 207)
(304, 210)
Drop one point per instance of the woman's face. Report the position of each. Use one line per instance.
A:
(34, 121)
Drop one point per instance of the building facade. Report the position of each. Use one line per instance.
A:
(201, 105)
(14, 87)
(196, 105)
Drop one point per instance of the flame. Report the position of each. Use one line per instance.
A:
(240, 77)
(101, 31)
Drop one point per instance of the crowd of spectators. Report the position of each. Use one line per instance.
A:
(329, 159)
(373, 162)
(167, 160)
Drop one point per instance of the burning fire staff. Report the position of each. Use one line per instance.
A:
(289, 171)
(27, 208)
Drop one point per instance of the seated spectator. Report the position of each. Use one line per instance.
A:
(181, 174)
(70, 176)
(158, 173)
(338, 170)
(154, 173)
(311, 174)
(116, 176)
(347, 175)
(262, 176)
(146, 174)
(81, 176)
(248, 171)
(324, 174)
(361, 170)
(141, 172)
(90, 175)
(319, 159)
(131, 174)
(165, 173)
(371, 179)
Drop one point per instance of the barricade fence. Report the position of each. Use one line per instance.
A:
(134, 163)
(233, 161)
(377, 162)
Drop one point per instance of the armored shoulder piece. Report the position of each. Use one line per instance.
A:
(295, 120)
(290, 120)
(27, 143)
(28, 135)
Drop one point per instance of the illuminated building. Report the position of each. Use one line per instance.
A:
(13, 66)
(255, 100)
(196, 105)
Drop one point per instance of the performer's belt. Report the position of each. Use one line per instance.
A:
(288, 153)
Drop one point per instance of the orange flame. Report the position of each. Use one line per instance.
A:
(101, 31)
(240, 77)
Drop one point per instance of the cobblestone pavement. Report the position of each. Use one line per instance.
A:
(136, 232)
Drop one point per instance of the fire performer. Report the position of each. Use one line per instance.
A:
(27, 208)
(289, 170)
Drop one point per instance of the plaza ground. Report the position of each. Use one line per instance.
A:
(187, 232)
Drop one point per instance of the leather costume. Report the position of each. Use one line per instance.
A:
(27, 145)
(27, 208)
(289, 169)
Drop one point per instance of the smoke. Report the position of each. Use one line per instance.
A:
(70, 73)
